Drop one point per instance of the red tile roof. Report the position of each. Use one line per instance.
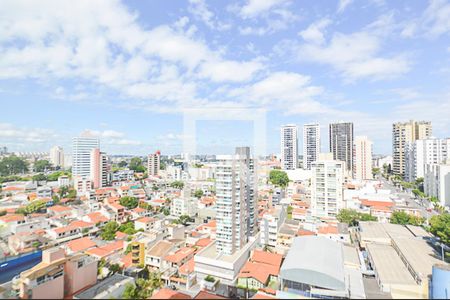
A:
(208, 295)
(328, 230)
(203, 242)
(187, 268)
(59, 208)
(166, 293)
(258, 271)
(106, 250)
(81, 244)
(377, 203)
(12, 218)
(145, 220)
(96, 217)
(180, 255)
(264, 257)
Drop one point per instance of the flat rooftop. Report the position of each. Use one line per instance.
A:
(103, 286)
(419, 254)
(389, 266)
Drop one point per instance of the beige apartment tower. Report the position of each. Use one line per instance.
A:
(402, 134)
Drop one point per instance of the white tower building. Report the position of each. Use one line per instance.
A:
(289, 147)
(235, 191)
(362, 166)
(327, 184)
(57, 156)
(311, 144)
(81, 155)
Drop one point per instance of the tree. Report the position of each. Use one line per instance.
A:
(63, 191)
(142, 290)
(440, 227)
(178, 184)
(130, 292)
(114, 268)
(72, 194)
(39, 177)
(375, 171)
(184, 219)
(136, 165)
(279, 178)
(127, 228)
(155, 280)
(352, 217)
(403, 218)
(122, 164)
(42, 165)
(209, 278)
(109, 231)
(129, 202)
(12, 165)
(198, 194)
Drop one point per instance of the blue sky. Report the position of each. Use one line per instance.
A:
(128, 71)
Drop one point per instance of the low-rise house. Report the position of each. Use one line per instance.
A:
(155, 255)
(57, 276)
(44, 192)
(260, 271)
(107, 250)
(10, 221)
(60, 211)
(270, 225)
(26, 241)
(79, 245)
(145, 223)
(139, 212)
(96, 218)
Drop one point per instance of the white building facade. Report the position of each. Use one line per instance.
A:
(327, 184)
(153, 163)
(57, 156)
(311, 144)
(81, 155)
(235, 205)
(422, 152)
(270, 225)
(362, 155)
(437, 182)
(289, 147)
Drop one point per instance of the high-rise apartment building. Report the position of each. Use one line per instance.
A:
(154, 163)
(311, 144)
(341, 143)
(235, 206)
(57, 156)
(327, 184)
(436, 182)
(402, 134)
(362, 155)
(81, 155)
(99, 168)
(422, 152)
(289, 147)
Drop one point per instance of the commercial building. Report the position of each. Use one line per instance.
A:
(154, 163)
(289, 147)
(57, 156)
(235, 205)
(57, 276)
(422, 152)
(318, 267)
(400, 256)
(362, 155)
(81, 155)
(311, 144)
(327, 184)
(341, 143)
(437, 182)
(99, 168)
(402, 134)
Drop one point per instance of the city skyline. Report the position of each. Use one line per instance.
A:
(302, 62)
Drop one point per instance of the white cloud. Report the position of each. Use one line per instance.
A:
(255, 7)
(343, 5)
(200, 10)
(437, 18)
(314, 32)
(110, 49)
(354, 55)
(111, 137)
(12, 134)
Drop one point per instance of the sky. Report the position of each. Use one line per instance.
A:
(131, 72)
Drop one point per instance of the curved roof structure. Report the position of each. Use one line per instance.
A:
(316, 261)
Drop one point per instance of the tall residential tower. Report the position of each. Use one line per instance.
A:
(311, 144)
(341, 143)
(289, 147)
(402, 135)
(362, 155)
(57, 156)
(235, 206)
